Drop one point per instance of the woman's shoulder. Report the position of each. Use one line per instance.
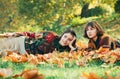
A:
(106, 36)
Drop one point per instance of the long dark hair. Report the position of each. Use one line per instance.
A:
(72, 32)
(93, 24)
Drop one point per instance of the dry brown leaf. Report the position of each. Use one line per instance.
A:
(2, 74)
(103, 50)
(9, 52)
(30, 74)
(23, 58)
(89, 76)
(116, 53)
(33, 59)
(41, 58)
(63, 55)
(16, 57)
(81, 63)
(57, 61)
(73, 56)
(117, 77)
(108, 76)
(93, 76)
(80, 44)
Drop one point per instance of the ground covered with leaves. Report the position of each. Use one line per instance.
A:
(100, 64)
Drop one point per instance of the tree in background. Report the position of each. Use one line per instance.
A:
(8, 9)
(117, 6)
(32, 15)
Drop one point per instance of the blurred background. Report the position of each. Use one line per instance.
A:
(57, 15)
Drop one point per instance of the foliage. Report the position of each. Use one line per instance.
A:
(98, 10)
(80, 21)
(8, 10)
(45, 13)
(56, 26)
(117, 6)
(33, 15)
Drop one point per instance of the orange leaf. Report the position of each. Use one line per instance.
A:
(16, 57)
(93, 76)
(33, 59)
(108, 76)
(85, 75)
(30, 74)
(89, 76)
(81, 44)
(9, 52)
(103, 50)
(2, 75)
(117, 77)
(23, 58)
(42, 58)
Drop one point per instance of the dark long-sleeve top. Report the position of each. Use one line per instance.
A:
(47, 43)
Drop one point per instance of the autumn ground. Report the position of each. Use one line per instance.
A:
(66, 66)
(60, 66)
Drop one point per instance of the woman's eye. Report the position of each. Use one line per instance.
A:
(65, 36)
(92, 28)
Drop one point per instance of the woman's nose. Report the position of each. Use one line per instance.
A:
(65, 39)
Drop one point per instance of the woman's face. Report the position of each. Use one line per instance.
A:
(66, 39)
(91, 32)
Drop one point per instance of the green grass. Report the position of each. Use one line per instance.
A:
(69, 71)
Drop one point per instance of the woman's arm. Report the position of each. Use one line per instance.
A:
(105, 42)
(71, 46)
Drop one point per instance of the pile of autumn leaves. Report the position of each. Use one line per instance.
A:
(81, 57)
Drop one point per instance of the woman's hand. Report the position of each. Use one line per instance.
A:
(71, 46)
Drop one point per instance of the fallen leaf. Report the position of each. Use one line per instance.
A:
(108, 76)
(103, 50)
(30, 74)
(89, 76)
(33, 59)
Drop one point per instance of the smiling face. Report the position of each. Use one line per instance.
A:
(91, 32)
(66, 39)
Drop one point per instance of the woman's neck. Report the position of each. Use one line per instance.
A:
(95, 38)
